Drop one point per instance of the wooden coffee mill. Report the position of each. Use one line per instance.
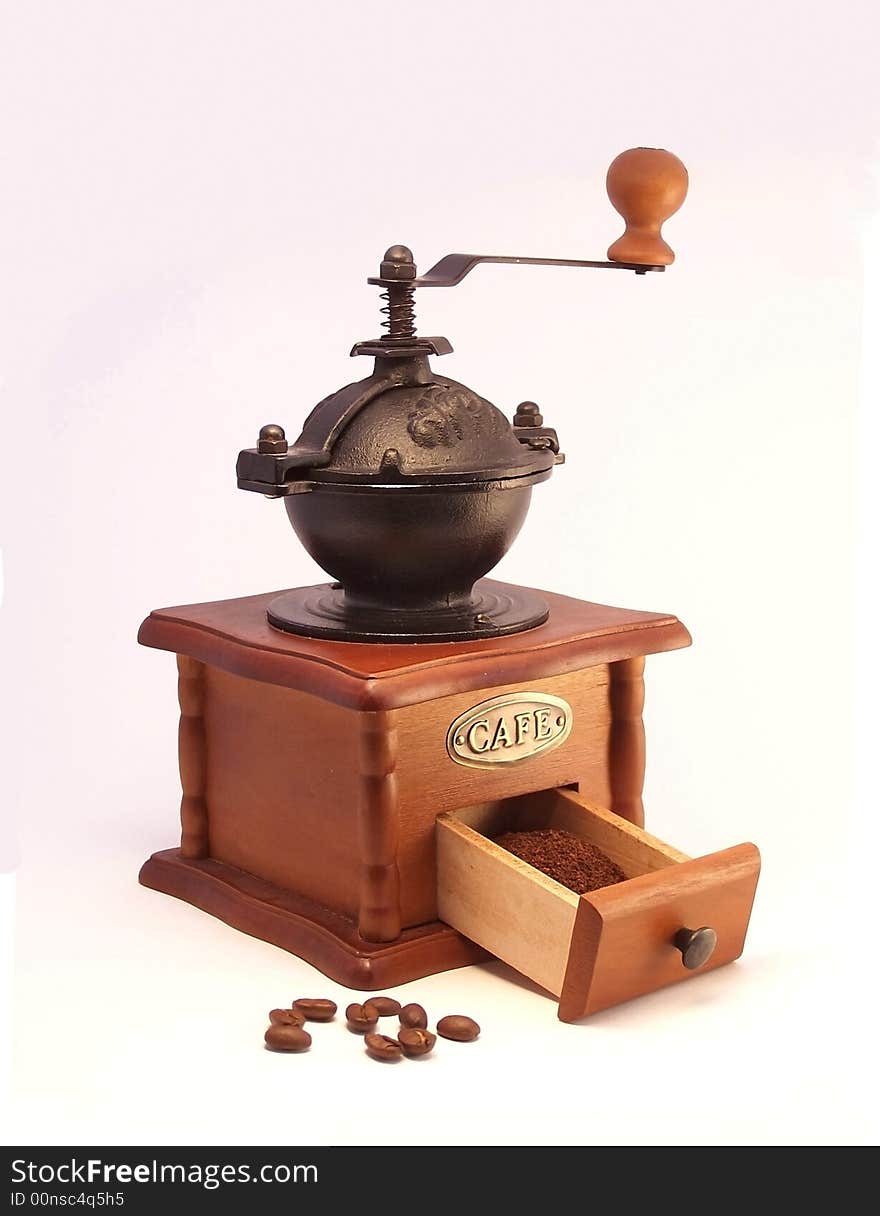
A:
(347, 751)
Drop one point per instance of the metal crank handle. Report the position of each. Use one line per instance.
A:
(646, 185)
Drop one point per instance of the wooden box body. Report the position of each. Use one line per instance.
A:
(308, 795)
(313, 772)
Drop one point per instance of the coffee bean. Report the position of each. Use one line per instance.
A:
(380, 1047)
(316, 1009)
(362, 1018)
(288, 1038)
(414, 1017)
(286, 1017)
(415, 1041)
(456, 1026)
(386, 1005)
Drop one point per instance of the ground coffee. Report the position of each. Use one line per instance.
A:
(575, 863)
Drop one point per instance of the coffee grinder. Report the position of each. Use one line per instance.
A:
(349, 751)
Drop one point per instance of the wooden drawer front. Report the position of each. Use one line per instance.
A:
(592, 950)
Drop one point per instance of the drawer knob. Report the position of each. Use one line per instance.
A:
(696, 946)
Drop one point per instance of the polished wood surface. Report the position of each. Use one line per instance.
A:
(626, 762)
(379, 823)
(324, 768)
(323, 938)
(647, 186)
(340, 806)
(235, 636)
(284, 788)
(635, 850)
(192, 757)
(501, 902)
(598, 949)
(507, 905)
(429, 783)
(622, 942)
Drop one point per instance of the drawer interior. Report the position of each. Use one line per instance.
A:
(599, 948)
(635, 850)
(508, 906)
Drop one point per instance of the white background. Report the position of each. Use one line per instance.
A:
(192, 197)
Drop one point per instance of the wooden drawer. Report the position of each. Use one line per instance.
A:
(610, 945)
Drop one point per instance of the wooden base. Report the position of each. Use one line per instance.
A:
(313, 771)
(323, 938)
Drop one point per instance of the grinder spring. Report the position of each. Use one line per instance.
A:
(400, 311)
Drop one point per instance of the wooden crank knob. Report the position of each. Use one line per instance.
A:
(696, 946)
(646, 185)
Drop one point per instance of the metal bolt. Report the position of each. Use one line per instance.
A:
(398, 263)
(528, 414)
(272, 441)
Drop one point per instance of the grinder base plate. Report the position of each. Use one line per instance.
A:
(495, 610)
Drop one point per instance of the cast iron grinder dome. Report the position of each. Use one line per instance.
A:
(407, 488)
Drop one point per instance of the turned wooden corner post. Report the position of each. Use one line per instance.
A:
(379, 905)
(626, 752)
(192, 757)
